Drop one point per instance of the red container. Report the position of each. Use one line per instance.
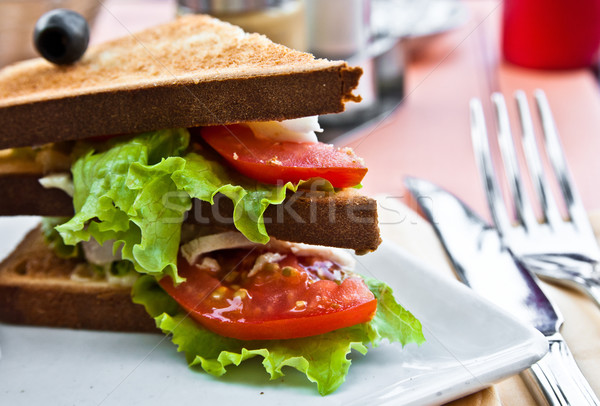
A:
(551, 34)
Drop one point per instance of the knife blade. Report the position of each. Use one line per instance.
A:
(483, 263)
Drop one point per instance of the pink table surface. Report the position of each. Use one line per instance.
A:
(429, 135)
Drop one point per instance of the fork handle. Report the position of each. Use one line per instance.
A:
(556, 378)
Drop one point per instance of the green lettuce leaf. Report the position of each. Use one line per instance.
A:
(55, 241)
(323, 358)
(137, 192)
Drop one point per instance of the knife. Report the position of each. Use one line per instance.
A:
(483, 263)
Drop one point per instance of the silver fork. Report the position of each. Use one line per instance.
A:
(559, 250)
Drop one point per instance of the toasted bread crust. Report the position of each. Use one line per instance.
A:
(36, 289)
(344, 219)
(22, 194)
(138, 84)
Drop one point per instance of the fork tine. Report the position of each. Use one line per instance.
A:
(485, 165)
(521, 200)
(549, 207)
(557, 158)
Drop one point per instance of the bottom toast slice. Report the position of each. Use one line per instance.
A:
(37, 288)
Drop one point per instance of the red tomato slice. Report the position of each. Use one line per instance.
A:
(280, 300)
(275, 162)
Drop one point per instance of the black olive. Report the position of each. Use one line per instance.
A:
(61, 36)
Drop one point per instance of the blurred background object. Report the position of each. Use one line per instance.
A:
(18, 18)
(341, 29)
(381, 36)
(283, 21)
(558, 34)
(338, 29)
(417, 21)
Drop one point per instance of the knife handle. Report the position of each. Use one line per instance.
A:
(556, 378)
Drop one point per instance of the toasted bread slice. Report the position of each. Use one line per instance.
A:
(37, 288)
(193, 71)
(345, 219)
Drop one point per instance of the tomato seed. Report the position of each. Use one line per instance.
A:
(241, 293)
(289, 271)
(271, 267)
(219, 293)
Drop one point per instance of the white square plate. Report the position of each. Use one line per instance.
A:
(470, 344)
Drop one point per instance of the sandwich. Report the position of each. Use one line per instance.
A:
(184, 189)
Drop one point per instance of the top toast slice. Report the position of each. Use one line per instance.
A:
(193, 71)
